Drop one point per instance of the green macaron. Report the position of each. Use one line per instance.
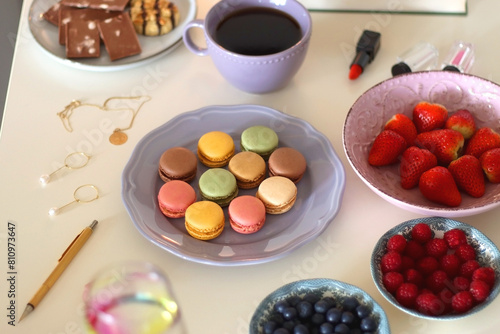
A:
(218, 185)
(259, 139)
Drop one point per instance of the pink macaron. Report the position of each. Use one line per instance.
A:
(174, 198)
(247, 214)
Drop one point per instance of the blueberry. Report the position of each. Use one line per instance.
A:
(281, 305)
(277, 318)
(347, 318)
(289, 325)
(363, 311)
(282, 331)
(293, 300)
(289, 313)
(304, 309)
(311, 298)
(300, 329)
(350, 304)
(326, 328)
(269, 327)
(333, 315)
(342, 329)
(318, 318)
(368, 324)
(321, 306)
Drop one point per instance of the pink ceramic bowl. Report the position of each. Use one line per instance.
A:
(372, 110)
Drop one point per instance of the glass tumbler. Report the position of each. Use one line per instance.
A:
(131, 298)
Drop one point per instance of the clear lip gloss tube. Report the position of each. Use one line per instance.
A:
(460, 58)
(421, 57)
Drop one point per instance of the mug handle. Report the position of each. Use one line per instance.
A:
(197, 50)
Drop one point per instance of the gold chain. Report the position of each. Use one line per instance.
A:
(117, 137)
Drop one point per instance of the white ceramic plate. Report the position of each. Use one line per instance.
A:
(318, 200)
(46, 34)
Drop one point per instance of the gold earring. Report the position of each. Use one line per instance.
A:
(79, 197)
(68, 163)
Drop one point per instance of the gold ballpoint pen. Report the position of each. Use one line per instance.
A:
(63, 263)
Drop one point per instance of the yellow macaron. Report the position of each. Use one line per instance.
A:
(204, 220)
(215, 149)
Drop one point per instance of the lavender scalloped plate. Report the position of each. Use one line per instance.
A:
(372, 110)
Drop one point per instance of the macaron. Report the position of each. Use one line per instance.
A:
(175, 197)
(218, 185)
(287, 162)
(249, 168)
(259, 139)
(215, 149)
(278, 194)
(247, 214)
(177, 163)
(204, 220)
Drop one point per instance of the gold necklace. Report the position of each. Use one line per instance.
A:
(118, 137)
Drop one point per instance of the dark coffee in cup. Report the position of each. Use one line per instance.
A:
(258, 31)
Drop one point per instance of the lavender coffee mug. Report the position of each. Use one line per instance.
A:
(253, 71)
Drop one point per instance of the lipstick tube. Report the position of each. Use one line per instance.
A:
(460, 58)
(366, 49)
(421, 57)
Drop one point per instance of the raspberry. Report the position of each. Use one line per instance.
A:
(455, 238)
(413, 276)
(462, 301)
(467, 268)
(391, 261)
(392, 280)
(437, 281)
(396, 243)
(485, 274)
(421, 233)
(480, 290)
(450, 263)
(445, 296)
(465, 252)
(414, 250)
(406, 294)
(429, 304)
(461, 283)
(407, 263)
(428, 265)
(436, 247)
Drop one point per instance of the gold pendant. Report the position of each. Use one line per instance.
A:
(118, 137)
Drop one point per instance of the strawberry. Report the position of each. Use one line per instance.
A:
(463, 122)
(468, 175)
(483, 140)
(403, 125)
(490, 163)
(414, 162)
(437, 185)
(445, 144)
(429, 116)
(386, 148)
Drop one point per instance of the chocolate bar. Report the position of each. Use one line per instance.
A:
(119, 37)
(52, 14)
(82, 39)
(113, 5)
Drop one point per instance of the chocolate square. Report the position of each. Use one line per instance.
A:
(68, 14)
(119, 37)
(52, 14)
(82, 39)
(114, 5)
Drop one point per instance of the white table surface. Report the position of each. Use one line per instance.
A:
(213, 299)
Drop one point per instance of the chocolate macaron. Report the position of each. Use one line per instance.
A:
(177, 163)
(287, 162)
(278, 194)
(249, 168)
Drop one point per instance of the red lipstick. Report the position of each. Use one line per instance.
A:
(366, 49)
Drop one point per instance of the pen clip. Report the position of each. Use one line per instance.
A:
(67, 249)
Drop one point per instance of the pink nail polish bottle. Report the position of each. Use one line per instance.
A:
(460, 58)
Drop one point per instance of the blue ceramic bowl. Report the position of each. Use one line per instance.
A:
(487, 255)
(321, 287)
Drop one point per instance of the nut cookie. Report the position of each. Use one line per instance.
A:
(154, 17)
